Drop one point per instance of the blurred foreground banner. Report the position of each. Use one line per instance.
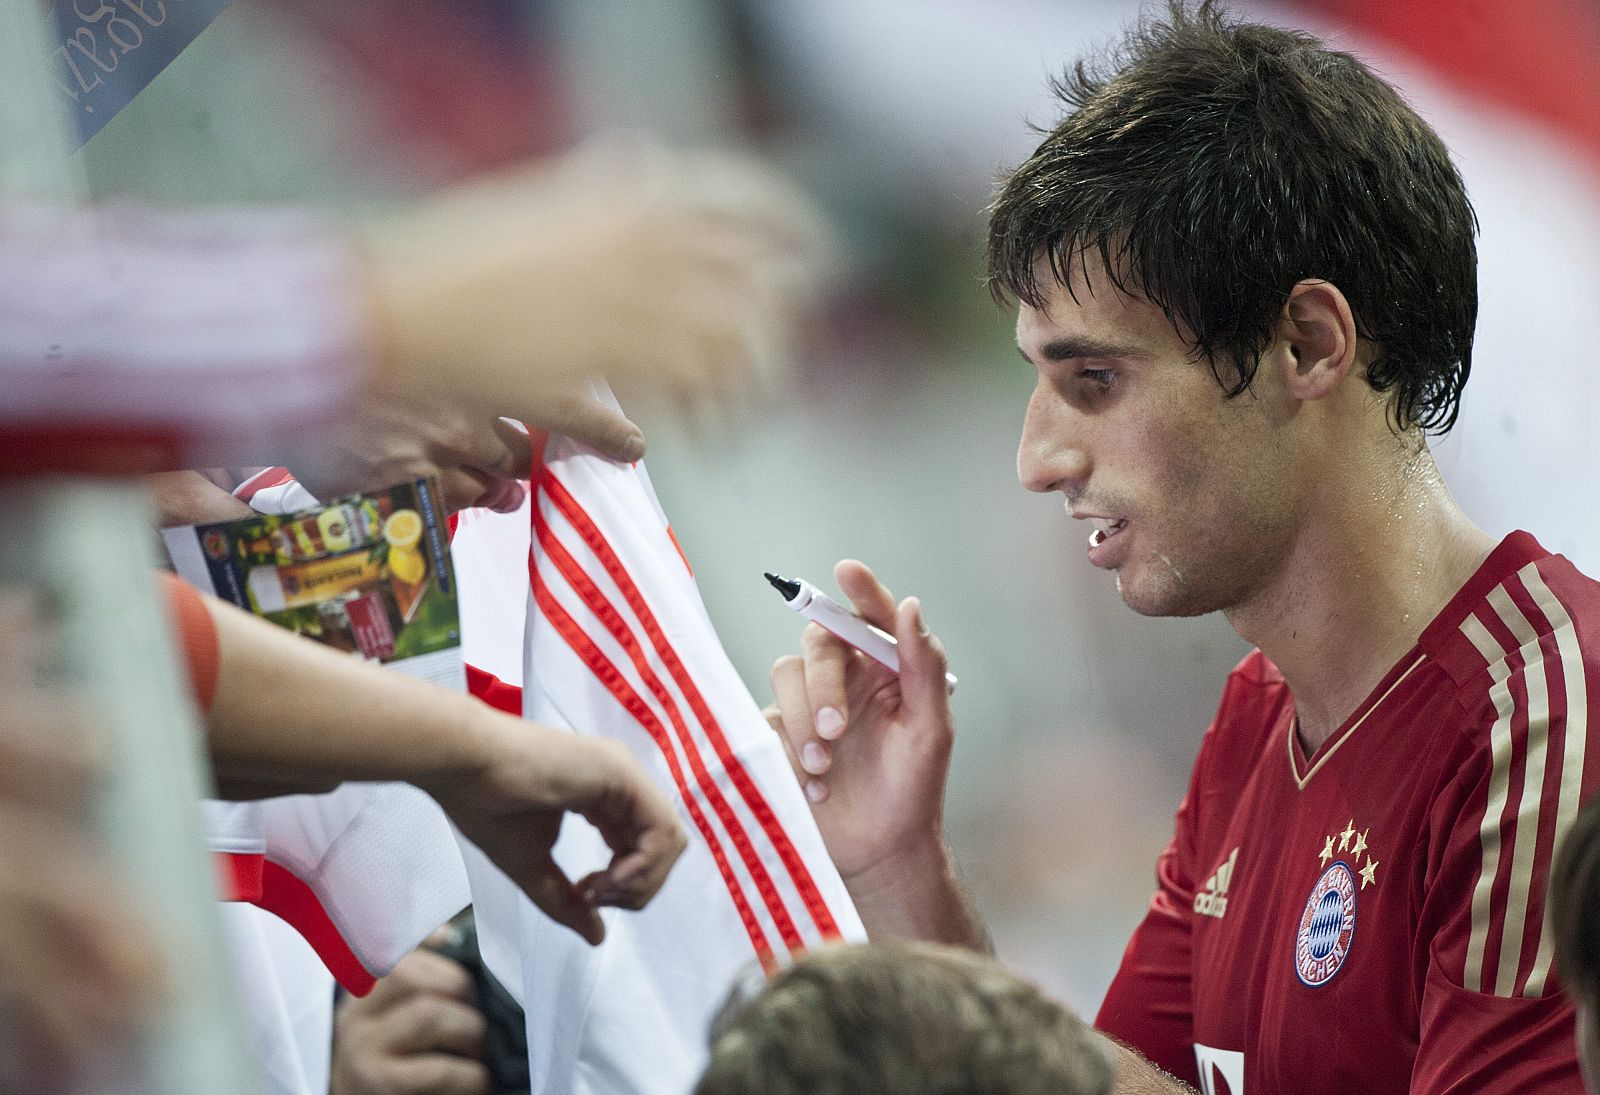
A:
(106, 53)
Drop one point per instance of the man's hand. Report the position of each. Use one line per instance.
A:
(189, 498)
(392, 438)
(476, 458)
(419, 1032)
(505, 782)
(872, 751)
(511, 807)
(681, 273)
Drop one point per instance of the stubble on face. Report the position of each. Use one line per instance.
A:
(1204, 478)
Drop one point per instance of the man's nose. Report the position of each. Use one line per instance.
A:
(1051, 455)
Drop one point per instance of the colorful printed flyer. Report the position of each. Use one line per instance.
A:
(369, 574)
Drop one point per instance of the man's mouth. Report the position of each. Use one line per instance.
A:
(1105, 528)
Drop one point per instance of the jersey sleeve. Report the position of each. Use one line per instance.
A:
(1492, 1017)
(138, 340)
(1149, 1005)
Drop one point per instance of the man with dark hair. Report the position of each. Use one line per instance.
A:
(1575, 923)
(1246, 280)
(900, 1018)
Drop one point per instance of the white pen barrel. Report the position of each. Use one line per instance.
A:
(834, 617)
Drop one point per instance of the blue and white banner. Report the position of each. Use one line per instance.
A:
(107, 51)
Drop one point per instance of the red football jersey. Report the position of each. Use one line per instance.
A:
(1372, 918)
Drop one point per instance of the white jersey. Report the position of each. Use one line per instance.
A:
(619, 645)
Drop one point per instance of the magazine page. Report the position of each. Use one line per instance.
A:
(369, 574)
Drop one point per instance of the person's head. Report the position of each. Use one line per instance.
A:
(900, 1019)
(1575, 921)
(1243, 263)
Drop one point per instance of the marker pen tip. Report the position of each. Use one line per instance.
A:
(789, 588)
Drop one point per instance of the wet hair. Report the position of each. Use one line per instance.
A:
(898, 1018)
(1209, 165)
(1574, 904)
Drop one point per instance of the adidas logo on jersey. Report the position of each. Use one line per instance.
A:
(1212, 900)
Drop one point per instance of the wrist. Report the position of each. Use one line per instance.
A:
(466, 754)
(917, 894)
(910, 865)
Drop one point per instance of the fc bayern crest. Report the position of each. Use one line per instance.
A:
(1326, 927)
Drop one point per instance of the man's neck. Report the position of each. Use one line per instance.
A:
(1369, 570)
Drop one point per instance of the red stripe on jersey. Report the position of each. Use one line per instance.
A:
(614, 624)
(595, 539)
(608, 674)
(285, 895)
(674, 537)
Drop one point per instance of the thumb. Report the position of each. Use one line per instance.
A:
(553, 892)
(595, 423)
(922, 660)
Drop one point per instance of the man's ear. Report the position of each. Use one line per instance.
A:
(1317, 332)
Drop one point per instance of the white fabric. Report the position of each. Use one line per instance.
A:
(289, 999)
(631, 1015)
(381, 859)
(234, 828)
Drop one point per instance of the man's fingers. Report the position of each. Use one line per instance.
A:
(774, 717)
(827, 660)
(794, 705)
(647, 839)
(422, 971)
(437, 1074)
(795, 723)
(634, 877)
(490, 445)
(871, 598)
(922, 661)
(461, 488)
(425, 1022)
(554, 892)
(594, 423)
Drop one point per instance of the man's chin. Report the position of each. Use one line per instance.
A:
(1162, 595)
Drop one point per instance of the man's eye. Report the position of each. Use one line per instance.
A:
(1100, 378)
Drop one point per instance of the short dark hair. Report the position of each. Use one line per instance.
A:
(1574, 904)
(896, 1018)
(1212, 164)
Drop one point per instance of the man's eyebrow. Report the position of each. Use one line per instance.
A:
(1079, 346)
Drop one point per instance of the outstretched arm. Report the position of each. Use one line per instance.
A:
(290, 716)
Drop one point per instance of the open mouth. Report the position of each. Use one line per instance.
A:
(1105, 529)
